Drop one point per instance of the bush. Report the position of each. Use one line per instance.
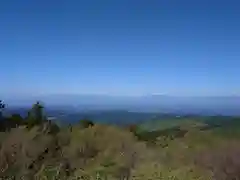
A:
(16, 120)
(24, 152)
(132, 128)
(224, 162)
(102, 149)
(50, 127)
(85, 123)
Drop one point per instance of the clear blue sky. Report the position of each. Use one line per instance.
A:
(120, 47)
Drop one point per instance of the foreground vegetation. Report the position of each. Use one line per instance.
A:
(34, 148)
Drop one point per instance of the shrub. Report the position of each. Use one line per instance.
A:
(24, 152)
(49, 127)
(85, 123)
(15, 120)
(109, 150)
(224, 162)
(132, 128)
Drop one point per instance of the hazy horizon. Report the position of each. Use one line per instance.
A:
(158, 103)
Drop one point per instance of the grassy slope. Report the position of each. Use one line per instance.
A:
(112, 152)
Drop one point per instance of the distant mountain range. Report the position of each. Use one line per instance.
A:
(208, 105)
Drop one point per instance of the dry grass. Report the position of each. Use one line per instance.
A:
(112, 153)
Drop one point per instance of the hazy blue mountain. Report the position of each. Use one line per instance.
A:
(226, 105)
(123, 109)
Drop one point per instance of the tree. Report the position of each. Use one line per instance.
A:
(2, 123)
(16, 120)
(35, 115)
(2, 106)
(37, 112)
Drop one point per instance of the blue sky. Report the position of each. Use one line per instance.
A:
(120, 47)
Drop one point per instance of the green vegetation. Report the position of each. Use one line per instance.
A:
(177, 149)
(85, 123)
(35, 116)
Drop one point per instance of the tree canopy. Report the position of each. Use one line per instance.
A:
(36, 115)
